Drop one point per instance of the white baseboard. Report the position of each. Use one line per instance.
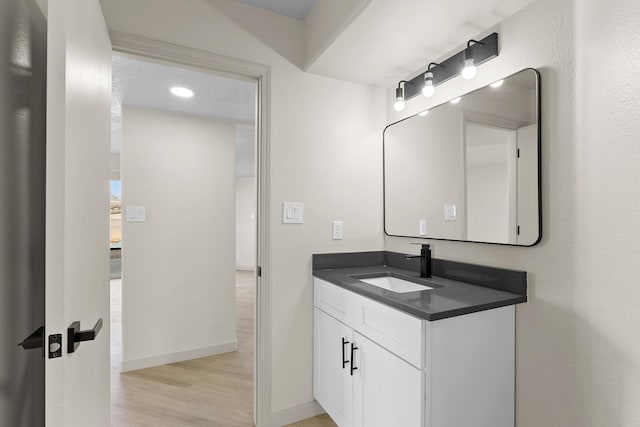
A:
(179, 356)
(295, 414)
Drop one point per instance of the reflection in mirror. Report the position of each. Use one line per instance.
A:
(468, 171)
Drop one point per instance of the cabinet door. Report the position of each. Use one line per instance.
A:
(387, 390)
(332, 382)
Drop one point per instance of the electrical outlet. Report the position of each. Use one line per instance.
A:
(449, 212)
(337, 230)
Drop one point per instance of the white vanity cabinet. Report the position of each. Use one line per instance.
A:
(407, 371)
(333, 383)
(387, 391)
(353, 377)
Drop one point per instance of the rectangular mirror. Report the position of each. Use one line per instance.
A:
(468, 171)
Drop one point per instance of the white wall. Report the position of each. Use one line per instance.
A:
(326, 141)
(423, 174)
(178, 267)
(246, 223)
(578, 345)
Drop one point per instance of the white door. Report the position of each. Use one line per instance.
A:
(332, 379)
(387, 390)
(77, 209)
(528, 203)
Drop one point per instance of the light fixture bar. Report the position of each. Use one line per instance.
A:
(484, 50)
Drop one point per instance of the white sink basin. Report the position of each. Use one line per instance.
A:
(395, 284)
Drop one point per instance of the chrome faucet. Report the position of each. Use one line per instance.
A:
(425, 259)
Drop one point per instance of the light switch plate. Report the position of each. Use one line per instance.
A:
(449, 212)
(292, 212)
(136, 214)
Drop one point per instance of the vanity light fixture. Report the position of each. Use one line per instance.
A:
(429, 89)
(497, 84)
(469, 71)
(464, 63)
(182, 92)
(399, 104)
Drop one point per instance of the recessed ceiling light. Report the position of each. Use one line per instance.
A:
(455, 100)
(497, 84)
(424, 113)
(182, 92)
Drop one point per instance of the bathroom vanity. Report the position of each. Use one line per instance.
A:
(394, 349)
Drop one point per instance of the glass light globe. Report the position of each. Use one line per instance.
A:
(399, 104)
(428, 89)
(469, 71)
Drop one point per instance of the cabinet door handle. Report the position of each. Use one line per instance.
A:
(353, 365)
(344, 362)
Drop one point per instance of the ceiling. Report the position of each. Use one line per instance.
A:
(393, 39)
(376, 42)
(146, 84)
(296, 9)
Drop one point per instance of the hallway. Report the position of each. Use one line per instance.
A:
(211, 391)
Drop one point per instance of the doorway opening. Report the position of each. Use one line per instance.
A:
(491, 173)
(183, 303)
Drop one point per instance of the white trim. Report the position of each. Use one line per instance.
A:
(189, 57)
(178, 356)
(211, 62)
(295, 414)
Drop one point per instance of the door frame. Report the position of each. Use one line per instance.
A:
(200, 60)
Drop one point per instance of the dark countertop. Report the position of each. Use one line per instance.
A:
(493, 287)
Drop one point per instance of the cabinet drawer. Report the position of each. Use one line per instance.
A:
(398, 332)
(334, 300)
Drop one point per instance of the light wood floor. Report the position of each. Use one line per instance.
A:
(212, 391)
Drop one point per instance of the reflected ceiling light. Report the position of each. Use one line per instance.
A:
(182, 92)
(399, 104)
(455, 100)
(424, 113)
(497, 84)
(463, 63)
(469, 71)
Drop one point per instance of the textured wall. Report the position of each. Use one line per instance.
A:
(326, 151)
(178, 267)
(578, 349)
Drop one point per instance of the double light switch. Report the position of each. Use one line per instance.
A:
(292, 212)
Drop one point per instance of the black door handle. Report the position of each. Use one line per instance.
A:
(75, 336)
(353, 365)
(344, 362)
(35, 340)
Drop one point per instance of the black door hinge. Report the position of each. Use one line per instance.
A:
(518, 231)
(518, 153)
(259, 271)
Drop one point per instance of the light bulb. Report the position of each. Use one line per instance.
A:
(424, 113)
(469, 71)
(455, 100)
(428, 89)
(497, 84)
(399, 104)
(182, 92)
